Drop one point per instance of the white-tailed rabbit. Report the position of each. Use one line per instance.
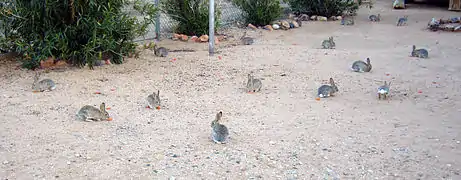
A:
(91, 113)
(153, 100)
(161, 51)
(360, 66)
(253, 85)
(325, 91)
(246, 40)
(43, 85)
(220, 133)
(383, 91)
(375, 18)
(328, 44)
(402, 21)
(421, 53)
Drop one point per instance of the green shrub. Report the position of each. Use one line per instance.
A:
(260, 12)
(325, 8)
(192, 15)
(73, 30)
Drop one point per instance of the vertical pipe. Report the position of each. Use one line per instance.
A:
(211, 30)
(157, 21)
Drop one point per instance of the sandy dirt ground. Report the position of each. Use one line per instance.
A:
(283, 132)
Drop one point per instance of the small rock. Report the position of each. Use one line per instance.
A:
(68, 162)
(184, 37)
(314, 17)
(78, 155)
(295, 24)
(252, 26)
(5, 162)
(304, 17)
(271, 142)
(204, 38)
(321, 18)
(194, 38)
(176, 37)
(285, 25)
(324, 157)
(268, 27)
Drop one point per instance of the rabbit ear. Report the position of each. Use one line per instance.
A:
(414, 47)
(332, 82)
(218, 116)
(385, 83)
(102, 107)
(389, 84)
(158, 92)
(368, 61)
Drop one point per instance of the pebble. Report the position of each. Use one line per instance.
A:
(271, 142)
(457, 142)
(449, 165)
(68, 162)
(5, 162)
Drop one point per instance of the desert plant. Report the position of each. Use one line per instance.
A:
(191, 15)
(326, 8)
(259, 12)
(73, 30)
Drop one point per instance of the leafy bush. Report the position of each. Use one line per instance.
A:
(326, 8)
(260, 12)
(73, 30)
(192, 15)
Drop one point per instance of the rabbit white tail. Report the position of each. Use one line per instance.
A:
(321, 95)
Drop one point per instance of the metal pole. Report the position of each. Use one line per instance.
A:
(157, 22)
(211, 30)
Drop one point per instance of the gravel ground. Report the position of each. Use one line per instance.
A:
(280, 133)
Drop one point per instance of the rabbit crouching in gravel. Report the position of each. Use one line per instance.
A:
(375, 18)
(43, 85)
(253, 85)
(360, 66)
(153, 100)
(325, 91)
(328, 44)
(383, 91)
(220, 133)
(246, 40)
(161, 51)
(402, 21)
(421, 53)
(90, 113)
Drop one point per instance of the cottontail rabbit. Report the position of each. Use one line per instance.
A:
(43, 85)
(161, 51)
(421, 53)
(402, 21)
(347, 21)
(153, 100)
(360, 66)
(328, 44)
(220, 133)
(375, 18)
(325, 91)
(383, 91)
(90, 113)
(253, 84)
(246, 40)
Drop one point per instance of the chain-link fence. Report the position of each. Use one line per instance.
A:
(229, 15)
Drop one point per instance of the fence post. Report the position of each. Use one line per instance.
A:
(157, 22)
(211, 29)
